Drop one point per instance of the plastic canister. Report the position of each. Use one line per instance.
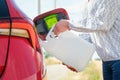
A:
(69, 48)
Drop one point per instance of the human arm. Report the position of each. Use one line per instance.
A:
(101, 17)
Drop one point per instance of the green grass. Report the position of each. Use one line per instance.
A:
(92, 71)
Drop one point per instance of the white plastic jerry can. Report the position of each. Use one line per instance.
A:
(69, 48)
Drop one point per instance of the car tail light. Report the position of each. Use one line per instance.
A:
(15, 32)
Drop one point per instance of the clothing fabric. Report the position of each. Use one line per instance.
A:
(104, 15)
(104, 23)
(111, 70)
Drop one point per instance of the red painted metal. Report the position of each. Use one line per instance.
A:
(23, 61)
(3, 51)
(21, 58)
(14, 11)
(55, 11)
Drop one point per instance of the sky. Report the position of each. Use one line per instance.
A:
(75, 8)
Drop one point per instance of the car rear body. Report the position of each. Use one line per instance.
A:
(20, 54)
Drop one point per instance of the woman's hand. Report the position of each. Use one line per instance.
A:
(71, 68)
(61, 26)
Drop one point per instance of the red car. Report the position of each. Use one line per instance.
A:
(20, 52)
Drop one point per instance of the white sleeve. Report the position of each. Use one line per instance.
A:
(102, 14)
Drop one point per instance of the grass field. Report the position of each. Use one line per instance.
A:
(93, 70)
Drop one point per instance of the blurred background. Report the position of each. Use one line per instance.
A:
(77, 11)
(34, 7)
